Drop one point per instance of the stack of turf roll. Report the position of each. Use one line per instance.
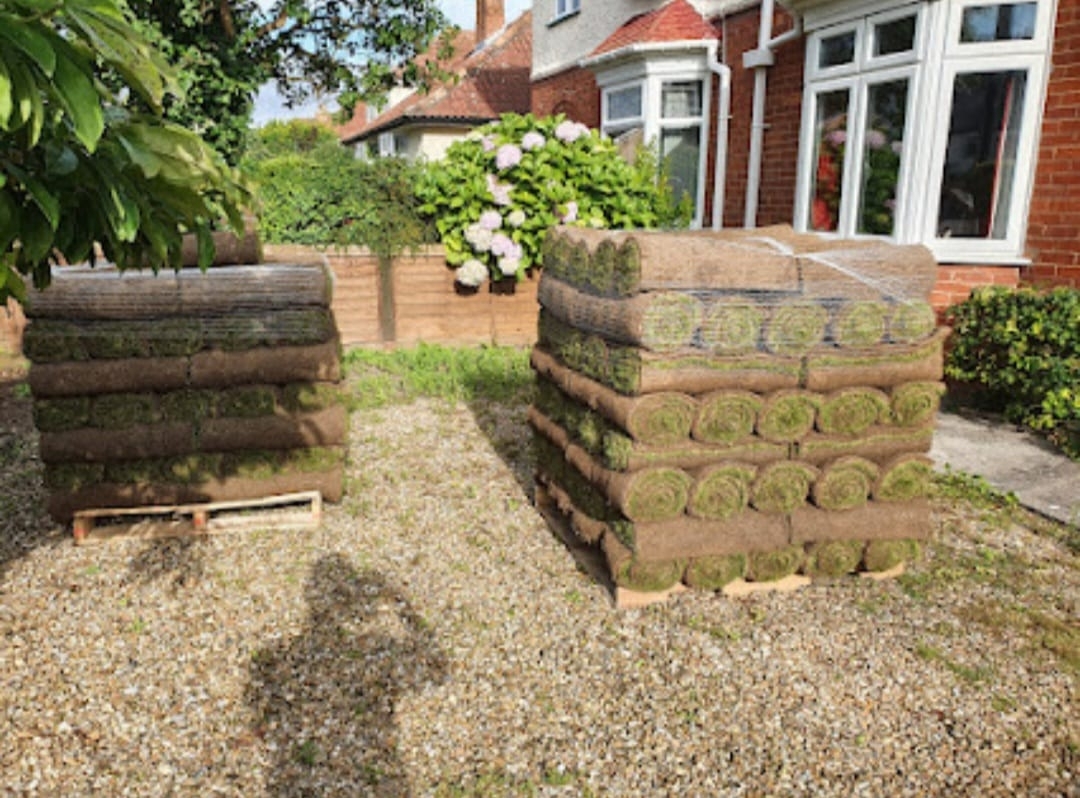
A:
(739, 405)
(185, 387)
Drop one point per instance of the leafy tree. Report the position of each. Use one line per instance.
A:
(313, 191)
(225, 50)
(77, 166)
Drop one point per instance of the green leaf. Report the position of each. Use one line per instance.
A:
(30, 41)
(7, 100)
(79, 99)
(45, 200)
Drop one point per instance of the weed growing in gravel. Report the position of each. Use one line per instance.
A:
(964, 672)
(379, 378)
(996, 506)
(307, 753)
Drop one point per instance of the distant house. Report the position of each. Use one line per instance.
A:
(491, 68)
(951, 123)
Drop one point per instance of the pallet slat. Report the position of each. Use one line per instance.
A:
(185, 520)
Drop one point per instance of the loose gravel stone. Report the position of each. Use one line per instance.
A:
(433, 638)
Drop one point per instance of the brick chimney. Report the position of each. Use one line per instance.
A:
(490, 18)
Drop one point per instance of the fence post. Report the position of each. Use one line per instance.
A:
(387, 317)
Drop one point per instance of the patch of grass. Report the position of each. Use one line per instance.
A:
(1044, 631)
(307, 753)
(975, 490)
(379, 378)
(699, 623)
(486, 785)
(968, 674)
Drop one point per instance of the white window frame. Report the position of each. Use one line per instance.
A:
(566, 8)
(652, 73)
(937, 59)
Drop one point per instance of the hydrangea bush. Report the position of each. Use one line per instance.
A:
(498, 192)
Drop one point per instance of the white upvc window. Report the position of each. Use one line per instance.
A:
(663, 104)
(920, 123)
(564, 8)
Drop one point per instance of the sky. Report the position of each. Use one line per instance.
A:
(269, 105)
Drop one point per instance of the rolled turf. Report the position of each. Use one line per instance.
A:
(795, 327)
(713, 573)
(833, 559)
(860, 324)
(844, 484)
(726, 416)
(787, 416)
(732, 326)
(721, 491)
(781, 487)
(904, 478)
(849, 412)
(915, 403)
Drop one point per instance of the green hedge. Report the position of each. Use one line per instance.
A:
(1021, 350)
(314, 191)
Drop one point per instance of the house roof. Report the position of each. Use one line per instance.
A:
(676, 21)
(490, 81)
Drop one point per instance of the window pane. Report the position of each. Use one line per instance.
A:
(896, 36)
(837, 50)
(830, 139)
(624, 103)
(680, 150)
(995, 23)
(681, 100)
(883, 144)
(980, 161)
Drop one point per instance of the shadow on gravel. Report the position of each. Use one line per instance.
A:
(504, 424)
(24, 523)
(324, 701)
(180, 560)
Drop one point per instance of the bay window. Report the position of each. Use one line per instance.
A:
(663, 103)
(920, 123)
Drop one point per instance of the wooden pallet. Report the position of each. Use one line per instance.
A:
(590, 559)
(286, 512)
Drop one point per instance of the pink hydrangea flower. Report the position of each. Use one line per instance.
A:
(532, 140)
(898, 147)
(508, 155)
(570, 131)
(488, 143)
(490, 220)
(500, 192)
(502, 246)
(478, 238)
(875, 139)
(571, 213)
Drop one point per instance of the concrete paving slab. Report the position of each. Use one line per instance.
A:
(1010, 459)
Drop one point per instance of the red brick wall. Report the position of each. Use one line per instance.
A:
(1053, 240)
(783, 107)
(955, 282)
(573, 92)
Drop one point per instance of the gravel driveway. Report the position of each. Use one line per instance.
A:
(434, 638)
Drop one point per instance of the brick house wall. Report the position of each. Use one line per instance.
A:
(783, 106)
(572, 92)
(1053, 239)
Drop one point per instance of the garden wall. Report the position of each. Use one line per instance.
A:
(421, 303)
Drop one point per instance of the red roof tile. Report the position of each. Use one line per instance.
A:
(490, 82)
(674, 22)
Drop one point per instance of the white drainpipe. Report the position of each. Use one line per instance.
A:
(760, 60)
(723, 111)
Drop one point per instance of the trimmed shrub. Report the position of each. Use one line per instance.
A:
(1020, 348)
